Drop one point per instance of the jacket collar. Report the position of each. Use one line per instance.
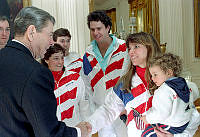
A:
(115, 46)
(179, 85)
(19, 46)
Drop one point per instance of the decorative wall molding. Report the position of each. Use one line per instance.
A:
(171, 25)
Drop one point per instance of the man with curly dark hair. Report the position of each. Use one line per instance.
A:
(104, 62)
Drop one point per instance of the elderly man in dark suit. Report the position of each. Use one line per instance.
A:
(27, 102)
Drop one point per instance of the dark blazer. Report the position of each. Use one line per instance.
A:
(27, 102)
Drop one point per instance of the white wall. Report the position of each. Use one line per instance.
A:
(192, 63)
(177, 29)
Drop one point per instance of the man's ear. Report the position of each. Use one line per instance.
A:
(108, 27)
(31, 31)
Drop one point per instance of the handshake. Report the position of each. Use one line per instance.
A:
(86, 128)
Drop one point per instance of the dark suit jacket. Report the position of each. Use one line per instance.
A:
(27, 102)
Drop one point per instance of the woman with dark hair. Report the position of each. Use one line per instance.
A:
(72, 107)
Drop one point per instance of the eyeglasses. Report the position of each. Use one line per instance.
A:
(7, 30)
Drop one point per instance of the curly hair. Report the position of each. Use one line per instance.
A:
(168, 61)
(99, 15)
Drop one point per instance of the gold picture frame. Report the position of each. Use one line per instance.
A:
(10, 8)
(149, 9)
(26, 3)
(196, 27)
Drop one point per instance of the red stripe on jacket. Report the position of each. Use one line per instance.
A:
(68, 78)
(67, 95)
(122, 48)
(115, 65)
(96, 78)
(87, 54)
(144, 106)
(140, 89)
(93, 62)
(67, 113)
(76, 69)
(112, 82)
(79, 59)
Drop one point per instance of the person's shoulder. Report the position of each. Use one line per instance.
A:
(40, 67)
(35, 67)
(194, 89)
(164, 89)
(74, 54)
(120, 41)
(41, 74)
(192, 85)
(68, 73)
(71, 75)
(89, 48)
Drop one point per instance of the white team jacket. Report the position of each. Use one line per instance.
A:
(168, 108)
(99, 84)
(72, 107)
(114, 105)
(73, 62)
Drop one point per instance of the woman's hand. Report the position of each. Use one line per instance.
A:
(162, 133)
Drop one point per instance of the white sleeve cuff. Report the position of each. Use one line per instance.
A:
(78, 131)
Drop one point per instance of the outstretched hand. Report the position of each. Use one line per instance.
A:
(161, 132)
(86, 128)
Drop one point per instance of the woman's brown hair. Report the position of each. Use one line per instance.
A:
(153, 49)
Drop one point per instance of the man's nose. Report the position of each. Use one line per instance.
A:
(95, 32)
(5, 32)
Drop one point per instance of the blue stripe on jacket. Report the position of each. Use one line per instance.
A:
(123, 94)
(87, 68)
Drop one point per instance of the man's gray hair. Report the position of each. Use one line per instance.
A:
(31, 16)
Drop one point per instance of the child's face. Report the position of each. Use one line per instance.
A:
(158, 75)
